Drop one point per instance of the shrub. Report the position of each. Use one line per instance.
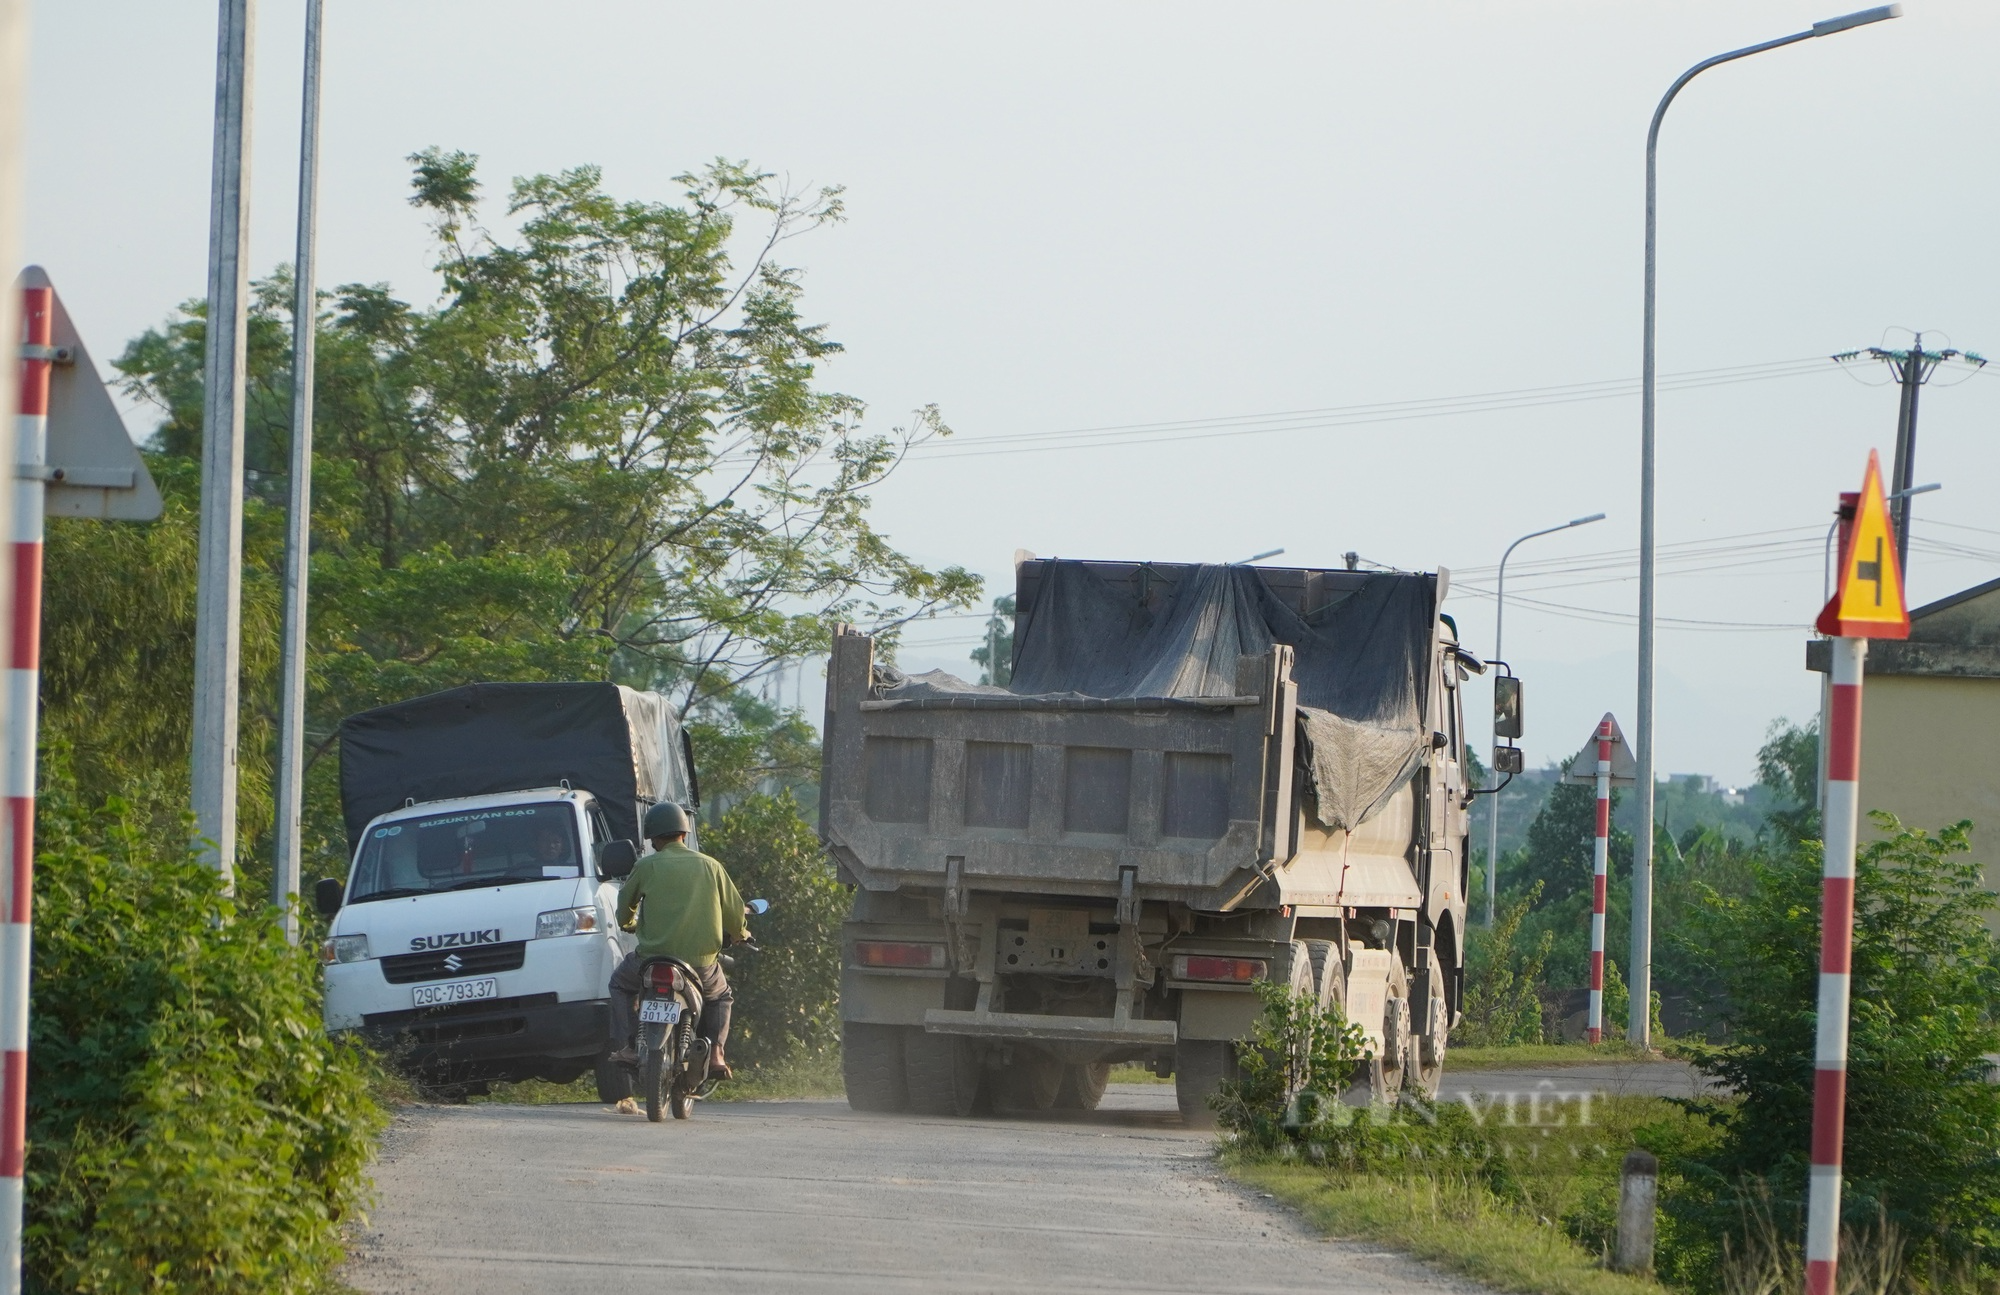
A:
(788, 996)
(1503, 980)
(191, 1127)
(1922, 1149)
(1297, 1059)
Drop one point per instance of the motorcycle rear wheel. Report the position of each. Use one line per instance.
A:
(654, 1079)
(682, 1102)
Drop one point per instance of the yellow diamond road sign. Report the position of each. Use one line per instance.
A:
(1869, 601)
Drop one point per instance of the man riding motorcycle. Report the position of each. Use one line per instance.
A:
(683, 905)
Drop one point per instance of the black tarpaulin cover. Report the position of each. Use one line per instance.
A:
(484, 738)
(1359, 663)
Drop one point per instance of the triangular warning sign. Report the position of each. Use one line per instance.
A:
(1624, 768)
(1869, 600)
(92, 467)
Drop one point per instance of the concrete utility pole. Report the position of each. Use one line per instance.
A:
(219, 595)
(298, 530)
(1641, 975)
(1913, 368)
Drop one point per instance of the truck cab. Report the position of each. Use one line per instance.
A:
(475, 937)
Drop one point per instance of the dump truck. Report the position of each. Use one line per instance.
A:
(1197, 778)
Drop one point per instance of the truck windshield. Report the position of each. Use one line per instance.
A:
(468, 848)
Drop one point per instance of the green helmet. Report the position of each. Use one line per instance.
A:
(664, 818)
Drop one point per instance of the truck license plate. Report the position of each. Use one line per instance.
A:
(659, 1011)
(456, 991)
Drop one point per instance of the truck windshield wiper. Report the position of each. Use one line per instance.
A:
(474, 883)
(393, 892)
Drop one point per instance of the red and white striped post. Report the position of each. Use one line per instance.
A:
(1868, 604)
(1836, 947)
(23, 686)
(1600, 860)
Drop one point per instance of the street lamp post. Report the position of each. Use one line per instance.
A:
(1499, 612)
(1640, 975)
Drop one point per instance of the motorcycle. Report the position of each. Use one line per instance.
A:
(673, 1058)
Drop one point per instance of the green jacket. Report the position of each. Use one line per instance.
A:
(689, 902)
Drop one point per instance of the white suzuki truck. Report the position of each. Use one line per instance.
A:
(490, 826)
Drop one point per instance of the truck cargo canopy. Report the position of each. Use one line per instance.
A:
(620, 744)
(1359, 662)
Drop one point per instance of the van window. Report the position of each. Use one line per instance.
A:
(467, 849)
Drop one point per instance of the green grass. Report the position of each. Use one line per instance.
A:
(1544, 1054)
(538, 1092)
(1135, 1075)
(1533, 1209)
(790, 1080)
(1452, 1222)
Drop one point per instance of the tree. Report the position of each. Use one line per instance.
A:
(1788, 766)
(1504, 979)
(1561, 846)
(788, 995)
(995, 656)
(1923, 1123)
(603, 453)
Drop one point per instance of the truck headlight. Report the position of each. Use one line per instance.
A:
(344, 948)
(565, 921)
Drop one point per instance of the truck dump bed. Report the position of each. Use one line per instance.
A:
(1163, 730)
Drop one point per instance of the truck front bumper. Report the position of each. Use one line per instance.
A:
(502, 1039)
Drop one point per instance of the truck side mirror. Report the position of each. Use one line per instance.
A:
(327, 894)
(1506, 706)
(1507, 759)
(615, 859)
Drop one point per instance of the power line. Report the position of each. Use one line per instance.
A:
(1352, 415)
(1602, 616)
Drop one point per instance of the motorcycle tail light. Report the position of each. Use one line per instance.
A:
(1234, 971)
(886, 953)
(663, 977)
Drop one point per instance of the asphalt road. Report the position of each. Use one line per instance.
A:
(808, 1196)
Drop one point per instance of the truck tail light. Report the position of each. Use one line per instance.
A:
(1233, 971)
(891, 953)
(663, 978)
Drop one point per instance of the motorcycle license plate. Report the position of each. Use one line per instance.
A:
(659, 1011)
(456, 991)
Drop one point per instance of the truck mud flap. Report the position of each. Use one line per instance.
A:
(1021, 1025)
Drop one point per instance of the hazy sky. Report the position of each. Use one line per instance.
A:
(1077, 216)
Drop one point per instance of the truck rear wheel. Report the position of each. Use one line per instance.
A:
(1431, 1021)
(1329, 976)
(941, 1073)
(871, 1067)
(1384, 1074)
(1201, 1067)
(1031, 1084)
(1083, 1086)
